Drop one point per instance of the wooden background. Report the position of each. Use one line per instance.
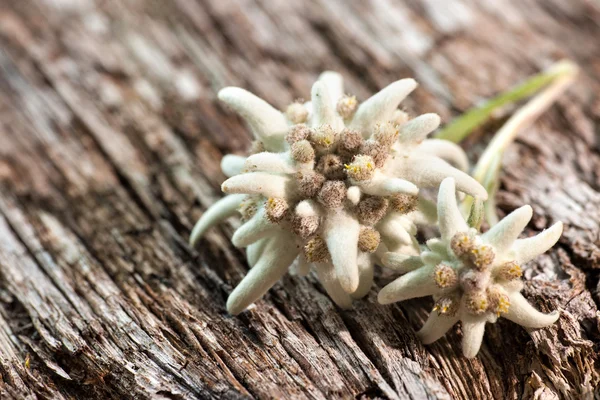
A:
(110, 142)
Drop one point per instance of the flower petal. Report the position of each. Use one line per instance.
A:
(270, 162)
(450, 219)
(417, 283)
(526, 250)
(267, 123)
(268, 185)
(401, 262)
(523, 313)
(472, 337)
(425, 170)
(279, 253)
(426, 213)
(382, 185)
(341, 235)
(220, 210)
(502, 235)
(329, 280)
(255, 250)
(232, 164)
(447, 151)
(301, 265)
(435, 327)
(365, 273)
(323, 107)
(381, 106)
(335, 85)
(394, 234)
(417, 129)
(254, 229)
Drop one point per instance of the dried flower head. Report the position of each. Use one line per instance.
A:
(350, 143)
(368, 239)
(346, 106)
(296, 112)
(297, 133)
(473, 277)
(315, 250)
(403, 203)
(331, 166)
(386, 133)
(336, 165)
(361, 168)
(302, 152)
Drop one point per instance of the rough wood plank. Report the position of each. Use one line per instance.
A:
(109, 140)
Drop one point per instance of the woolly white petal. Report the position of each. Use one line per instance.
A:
(524, 314)
(431, 258)
(502, 235)
(435, 327)
(429, 171)
(323, 108)
(418, 128)
(401, 262)
(381, 106)
(301, 265)
(527, 249)
(257, 183)
(307, 208)
(450, 219)
(382, 185)
(223, 208)
(417, 283)
(270, 162)
(254, 229)
(365, 271)
(266, 122)
(393, 232)
(232, 165)
(335, 85)
(447, 151)
(341, 235)
(438, 246)
(329, 280)
(426, 213)
(255, 250)
(472, 337)
(353, 194)
(279, 253)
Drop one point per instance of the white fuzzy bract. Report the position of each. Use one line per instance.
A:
(474, 278)
(331, 184)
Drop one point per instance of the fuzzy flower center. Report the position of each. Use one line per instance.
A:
(473, 280)
(327, 163)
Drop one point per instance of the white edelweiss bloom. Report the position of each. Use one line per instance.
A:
(331, 184)
(474, 278)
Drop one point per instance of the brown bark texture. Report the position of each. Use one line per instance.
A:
(110, 142)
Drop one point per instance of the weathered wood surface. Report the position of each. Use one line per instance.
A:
(110, 141)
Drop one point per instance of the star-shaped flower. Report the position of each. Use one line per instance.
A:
(329, 183)
(474, 278)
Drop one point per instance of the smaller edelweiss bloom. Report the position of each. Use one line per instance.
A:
(474, 278)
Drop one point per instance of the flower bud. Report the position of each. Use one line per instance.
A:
(346, 106)
(296, 113)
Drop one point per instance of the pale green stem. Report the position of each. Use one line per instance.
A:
(488, 167)
(462, 126)
(526, 115)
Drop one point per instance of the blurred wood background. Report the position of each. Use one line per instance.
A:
(110, 142)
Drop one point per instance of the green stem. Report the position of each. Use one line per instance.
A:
(462, 126)
(487, 169)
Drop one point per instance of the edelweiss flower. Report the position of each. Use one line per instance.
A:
(328, 182)
(473, 277)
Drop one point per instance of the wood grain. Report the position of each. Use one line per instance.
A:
(110, 141)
